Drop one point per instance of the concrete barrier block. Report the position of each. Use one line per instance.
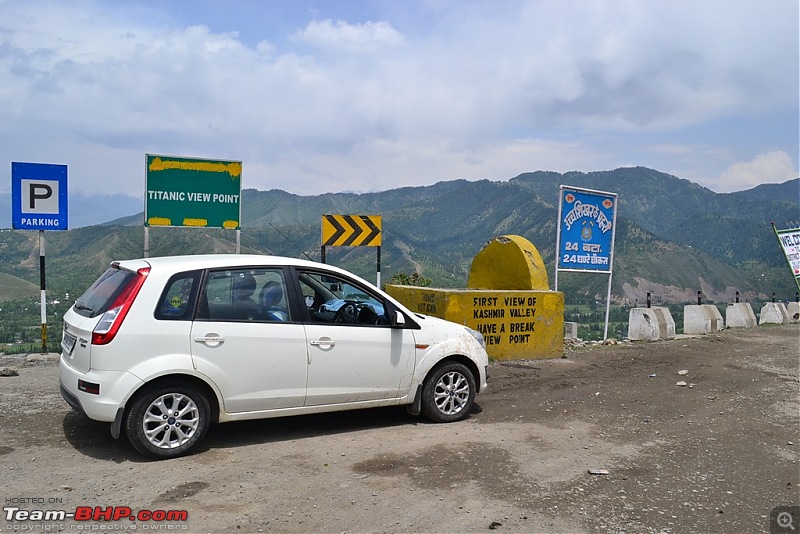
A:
(570, 330)
(666, 324)
(701, 319)
(740, 315)
(650, 324)
(793, 309)
(774, 313)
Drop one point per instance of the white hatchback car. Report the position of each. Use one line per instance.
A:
(162, 347)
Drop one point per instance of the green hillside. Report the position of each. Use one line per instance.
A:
(13, 288)
(674, 237)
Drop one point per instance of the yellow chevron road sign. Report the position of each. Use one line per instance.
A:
(351, 230)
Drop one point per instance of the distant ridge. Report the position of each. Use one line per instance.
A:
(674, 236)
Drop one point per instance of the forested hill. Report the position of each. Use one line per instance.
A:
(674, 237)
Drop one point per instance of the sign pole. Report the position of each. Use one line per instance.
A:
(608, 307)
(610, 274)
(39, 202)
(379, 268)
(43, 297)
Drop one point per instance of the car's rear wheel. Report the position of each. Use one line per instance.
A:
(168, 420)
(448, 393)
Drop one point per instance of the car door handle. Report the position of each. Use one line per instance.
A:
(323, 342)
(210, 339)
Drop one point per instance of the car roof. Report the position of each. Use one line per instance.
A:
(211, 261)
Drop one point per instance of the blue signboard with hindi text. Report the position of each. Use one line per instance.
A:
(586, 230)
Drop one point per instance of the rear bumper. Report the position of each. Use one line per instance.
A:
(71, 399)
(116, 387)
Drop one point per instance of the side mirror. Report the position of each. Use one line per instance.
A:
(398, 319)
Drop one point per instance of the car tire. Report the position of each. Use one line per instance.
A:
(448, 393)
(168, 420)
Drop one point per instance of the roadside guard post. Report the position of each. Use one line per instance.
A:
(39, 202)
(197, 193)
(587, 221)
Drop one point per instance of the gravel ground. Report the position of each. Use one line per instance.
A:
(600, 441)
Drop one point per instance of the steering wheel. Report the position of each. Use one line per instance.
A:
(347, 313)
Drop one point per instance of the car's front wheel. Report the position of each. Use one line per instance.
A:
(168, 420)
(448, 393)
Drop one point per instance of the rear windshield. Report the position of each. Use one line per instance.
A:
(99, 297)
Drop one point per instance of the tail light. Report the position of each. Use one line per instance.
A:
(109, 323)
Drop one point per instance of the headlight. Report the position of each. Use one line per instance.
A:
(477, 335)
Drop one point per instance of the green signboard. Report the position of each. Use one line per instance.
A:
(192, 192)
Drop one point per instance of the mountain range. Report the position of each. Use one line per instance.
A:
(674, 237)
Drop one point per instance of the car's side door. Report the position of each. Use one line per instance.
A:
(248, 339)
(354, 353)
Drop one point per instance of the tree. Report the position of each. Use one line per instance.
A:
(402, 279)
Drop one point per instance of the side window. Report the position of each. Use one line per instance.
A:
(245, 295)
(337, 300)
(177, 300)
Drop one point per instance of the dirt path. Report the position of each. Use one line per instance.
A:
(714, 456)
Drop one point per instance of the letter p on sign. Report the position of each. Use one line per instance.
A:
(39, 196)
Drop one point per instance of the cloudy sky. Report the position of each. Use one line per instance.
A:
(319, 96)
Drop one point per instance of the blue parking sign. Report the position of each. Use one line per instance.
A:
(38, 196)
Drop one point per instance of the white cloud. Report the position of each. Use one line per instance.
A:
(339, 35)
(771, 167)
(476, 90)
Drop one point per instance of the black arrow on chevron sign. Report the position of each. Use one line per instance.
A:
(374, 230)
(339, 229)
(357, 231)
